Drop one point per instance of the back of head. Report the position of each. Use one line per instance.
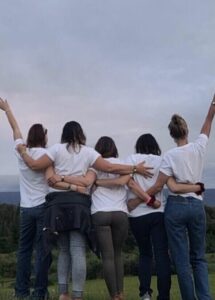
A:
(178, 127)
(147, 144)
(73, 134)
(106, 147)
(36, 136)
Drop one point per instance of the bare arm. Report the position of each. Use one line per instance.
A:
(159, 184)
(137, 190)
(64, 185)
(182, 188)
(35, 164)
(105, 166)
(11, 119)
(142, 196)
(206, 128)
(84, 181)
(119, 181)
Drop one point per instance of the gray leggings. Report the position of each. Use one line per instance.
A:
(111, 229)
(72, 257)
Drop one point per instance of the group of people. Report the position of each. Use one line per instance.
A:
(74, 189)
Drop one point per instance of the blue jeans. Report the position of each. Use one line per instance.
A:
(72, 260)
(186, 228)
(31, 229)
(149, 232)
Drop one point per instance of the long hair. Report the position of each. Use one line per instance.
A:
(106, 147)
(178, 127)
(36, 136)
(147, 144)
(73, 134)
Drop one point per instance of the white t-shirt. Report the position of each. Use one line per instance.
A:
(153, 161)
(70, 162)
(185, 163)
(109, 198)
(33, 186)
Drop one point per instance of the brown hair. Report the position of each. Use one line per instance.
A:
(73, 134)
(36, 136)
(147, 144)
(178, 127)
(106, 147)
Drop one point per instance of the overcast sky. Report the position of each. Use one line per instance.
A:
(119, 67)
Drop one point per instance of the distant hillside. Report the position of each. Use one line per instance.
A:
(9, 183)
(209, 197)
(10, 197)
(14, 197)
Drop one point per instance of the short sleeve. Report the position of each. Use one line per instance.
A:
(16, 143)
(166, 167)
(93, 155)
(201, 143)
(93, 170)
(52, 152)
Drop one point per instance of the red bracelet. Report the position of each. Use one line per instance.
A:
(151, 201)
(202, 186)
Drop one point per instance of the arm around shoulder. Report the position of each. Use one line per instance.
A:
(182, 188)
(35, 164)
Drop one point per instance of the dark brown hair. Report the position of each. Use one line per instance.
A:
(106, 147)
(178, 127)
(147, 144)
(73, 134)
(36, 136)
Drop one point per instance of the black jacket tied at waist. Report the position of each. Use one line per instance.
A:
(67, 211)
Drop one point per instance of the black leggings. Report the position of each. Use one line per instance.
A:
(112, 230)
(150, 234)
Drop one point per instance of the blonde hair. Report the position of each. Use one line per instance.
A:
(178, 127)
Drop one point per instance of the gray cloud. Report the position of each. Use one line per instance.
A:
(119, 67)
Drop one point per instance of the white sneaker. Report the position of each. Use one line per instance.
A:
(146, 296)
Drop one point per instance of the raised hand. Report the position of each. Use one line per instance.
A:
(4, 105)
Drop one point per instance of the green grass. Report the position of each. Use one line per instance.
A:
(96, 289)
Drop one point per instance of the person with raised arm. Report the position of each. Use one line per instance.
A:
(70, 158)
(33, 189)
(184, 214)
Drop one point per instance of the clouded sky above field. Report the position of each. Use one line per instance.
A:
(119, 67)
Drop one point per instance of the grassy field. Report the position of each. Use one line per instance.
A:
(96, 289)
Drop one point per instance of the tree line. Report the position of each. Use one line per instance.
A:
(9, 230)
(9, 235)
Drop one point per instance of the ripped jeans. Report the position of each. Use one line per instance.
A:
(72, 260)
